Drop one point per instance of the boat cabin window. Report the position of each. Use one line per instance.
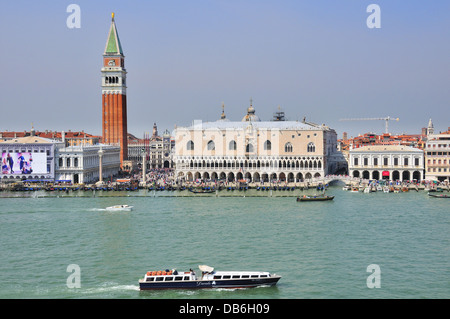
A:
(236, 276)
(169, 278)
(186, 277)
(226, 277)
(217, 277)
(263, 276)
(245, 276)
(178, 278)
(150, 278)
(254, 276)
(159, 278)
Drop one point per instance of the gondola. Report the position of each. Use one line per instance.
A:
(201, 191)
(439, 196)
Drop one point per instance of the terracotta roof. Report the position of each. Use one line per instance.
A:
(389, 148)
(28, 140)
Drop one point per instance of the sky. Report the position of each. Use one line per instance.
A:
(315, 59)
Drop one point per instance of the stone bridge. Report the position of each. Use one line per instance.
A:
(337, 178)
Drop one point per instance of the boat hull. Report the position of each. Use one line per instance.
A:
(202, 191)
(313, 199)
(118, 209)
(439, 196)
(203, 284)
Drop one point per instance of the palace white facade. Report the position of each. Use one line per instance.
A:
(391, 162)
(255, 150)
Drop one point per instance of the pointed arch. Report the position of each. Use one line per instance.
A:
(211, 146)
(288, 147)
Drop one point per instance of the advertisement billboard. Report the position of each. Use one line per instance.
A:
(24, 163)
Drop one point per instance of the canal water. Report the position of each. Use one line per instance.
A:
(321, 249)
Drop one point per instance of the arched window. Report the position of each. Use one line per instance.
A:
(211, 145)
(288, 147)
(267, 145)
(190, 146)
(232, 146)
(311, 147)
(249, 148)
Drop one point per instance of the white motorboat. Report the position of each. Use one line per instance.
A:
(120, 208)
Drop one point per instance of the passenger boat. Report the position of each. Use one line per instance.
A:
(120, 208)
(439, 196)
(311, 198)
(209, 278)
(354, 190)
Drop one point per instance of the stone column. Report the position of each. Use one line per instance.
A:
(100, 164)
(144, 164)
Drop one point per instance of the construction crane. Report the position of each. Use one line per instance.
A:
(386, 119)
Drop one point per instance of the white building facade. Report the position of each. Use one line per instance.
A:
(390, 162)
(81, 164)
(437, 151)
(28, 158)
(255, 150)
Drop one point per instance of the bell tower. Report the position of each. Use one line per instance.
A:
(114, 93)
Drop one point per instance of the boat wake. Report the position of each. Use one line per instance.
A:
(110, 288)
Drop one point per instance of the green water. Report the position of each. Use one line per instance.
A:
(321, 249)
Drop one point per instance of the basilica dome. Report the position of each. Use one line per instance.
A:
(251, 116)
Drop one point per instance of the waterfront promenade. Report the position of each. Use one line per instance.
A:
(164, 185)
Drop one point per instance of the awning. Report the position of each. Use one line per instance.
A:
(205, 268)
(385, 173)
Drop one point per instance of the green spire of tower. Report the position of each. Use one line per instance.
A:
(113, 45)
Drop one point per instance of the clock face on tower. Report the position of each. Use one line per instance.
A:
(112, 63)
